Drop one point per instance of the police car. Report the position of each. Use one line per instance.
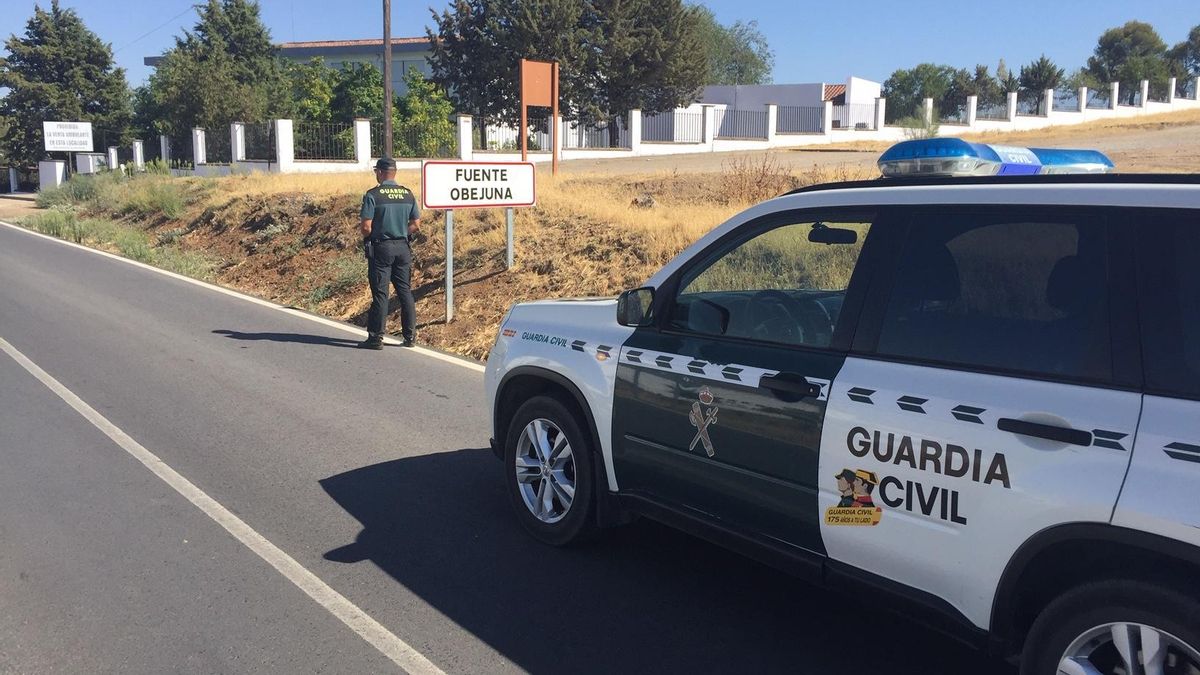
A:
(973, 384)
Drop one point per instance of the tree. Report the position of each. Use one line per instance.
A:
(224, 70)
(737, 54)
(1038, 76)
(357, 92)
(1184, 58)
(59, 71)
(312, 89)
(613, 55)
(980, 84)
(1128, 55)
(422, 124)
(906, 90)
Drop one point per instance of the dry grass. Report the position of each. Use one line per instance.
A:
(1092, 130)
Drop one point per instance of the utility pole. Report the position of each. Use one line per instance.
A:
(387, 78)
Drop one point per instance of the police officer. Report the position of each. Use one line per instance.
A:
(389, 217)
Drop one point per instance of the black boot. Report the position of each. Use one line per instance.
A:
(372, 342)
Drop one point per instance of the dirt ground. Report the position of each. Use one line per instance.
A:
(15, 207)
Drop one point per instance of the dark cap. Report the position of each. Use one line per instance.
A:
(385, 164)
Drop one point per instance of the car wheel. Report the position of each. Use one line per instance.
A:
(1116, 628)
(550, 474)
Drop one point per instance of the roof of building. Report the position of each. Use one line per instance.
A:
(833, 91)
(352, 44)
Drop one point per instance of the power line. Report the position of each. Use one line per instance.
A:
(155, 30)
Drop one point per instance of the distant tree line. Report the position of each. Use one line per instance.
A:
(1126, 54)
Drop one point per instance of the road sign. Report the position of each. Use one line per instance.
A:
(473, 185)
(67, 136)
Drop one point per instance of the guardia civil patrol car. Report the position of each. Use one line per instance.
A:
(973, 384)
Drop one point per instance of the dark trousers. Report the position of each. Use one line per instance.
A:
(390, 259)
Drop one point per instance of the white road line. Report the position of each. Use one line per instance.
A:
(258, 301)
(347, 612)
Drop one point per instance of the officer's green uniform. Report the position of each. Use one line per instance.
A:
(390, 207)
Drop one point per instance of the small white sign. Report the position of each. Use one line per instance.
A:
(68, 136)
(473, 185)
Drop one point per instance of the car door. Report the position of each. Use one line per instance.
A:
(1159, 494)
(718, 407)
(987, 398)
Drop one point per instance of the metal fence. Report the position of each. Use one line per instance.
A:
(1159, 92)
(602, 135)
(673, 127)
(1030, 104)
(500, 137)
(799, 119)
(1131, 100)
(27, 179)
(323, 141)
(1186, 88)
(859, 116)
(217, 149)
(260, 142)
(182, 156)
(416, 143)
(953, 113)
(1099, 99)
(1067, 100)
(151, 149)
(997, 112)
(731, 123)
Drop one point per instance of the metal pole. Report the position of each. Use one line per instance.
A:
(387, 78)
(508, 219)
(449, 266)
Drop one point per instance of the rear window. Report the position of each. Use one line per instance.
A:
(1169, 290)
(1002, 293)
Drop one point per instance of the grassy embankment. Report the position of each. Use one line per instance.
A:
(293, 239)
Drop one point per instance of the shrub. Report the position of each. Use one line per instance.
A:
(149, 196)
(133, 244)
(916, 128)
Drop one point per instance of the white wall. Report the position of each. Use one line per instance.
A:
(862, 91)
(756, 96)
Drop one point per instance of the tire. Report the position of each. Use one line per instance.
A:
(540, 495)
(1141, 612)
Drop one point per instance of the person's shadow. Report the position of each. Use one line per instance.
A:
(300, 338)
(645, 598)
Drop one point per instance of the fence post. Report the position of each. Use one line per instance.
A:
(880, 112)
(164, 149)
(199, 154)
(12, 179)
(1083, 99)
(972, 110)
(1011, 109)
(710, 131)
(362, 142)
(466, 139)
(772, 122)
(635, 131)
(285, 147)
(237, 142)
(112, 158)
(928, 108)
(827, 118)
(139, 156)
(1196, 89)
(1048, 95)
(1116, 94)
(1171, 82)
(1145, 92)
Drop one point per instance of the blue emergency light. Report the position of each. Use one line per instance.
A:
(956, 157)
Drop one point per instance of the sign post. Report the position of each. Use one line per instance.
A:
(508, 228)
(539, 87)
(475, 185)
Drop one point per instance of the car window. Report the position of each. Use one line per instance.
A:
(784, 285)
(1020, 295)
(1171, 305)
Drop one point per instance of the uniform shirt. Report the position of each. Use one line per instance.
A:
(389, 207)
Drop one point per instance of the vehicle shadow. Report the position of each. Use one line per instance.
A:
(644, 598)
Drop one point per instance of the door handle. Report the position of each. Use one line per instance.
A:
(790, 386)
(1049, 432)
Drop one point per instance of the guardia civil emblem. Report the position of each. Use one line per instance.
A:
(703, 415)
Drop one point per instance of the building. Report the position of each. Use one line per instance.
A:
(853, 102)
(408, 53)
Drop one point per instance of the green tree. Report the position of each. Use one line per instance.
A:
(1129, 54)
(357, 92)
(906, 90)
(736, 54)
(979, 83)
(1038, 76)
(60, 71)
(1184, 58)
(222, 71)
(312, 89)
(422, 123)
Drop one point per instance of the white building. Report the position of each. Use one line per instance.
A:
(853, 102)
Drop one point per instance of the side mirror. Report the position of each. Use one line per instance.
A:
(823, 234)
(636, 307)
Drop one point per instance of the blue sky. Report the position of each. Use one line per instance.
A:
(813, 40)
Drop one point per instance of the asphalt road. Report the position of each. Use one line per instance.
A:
(368, 469)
